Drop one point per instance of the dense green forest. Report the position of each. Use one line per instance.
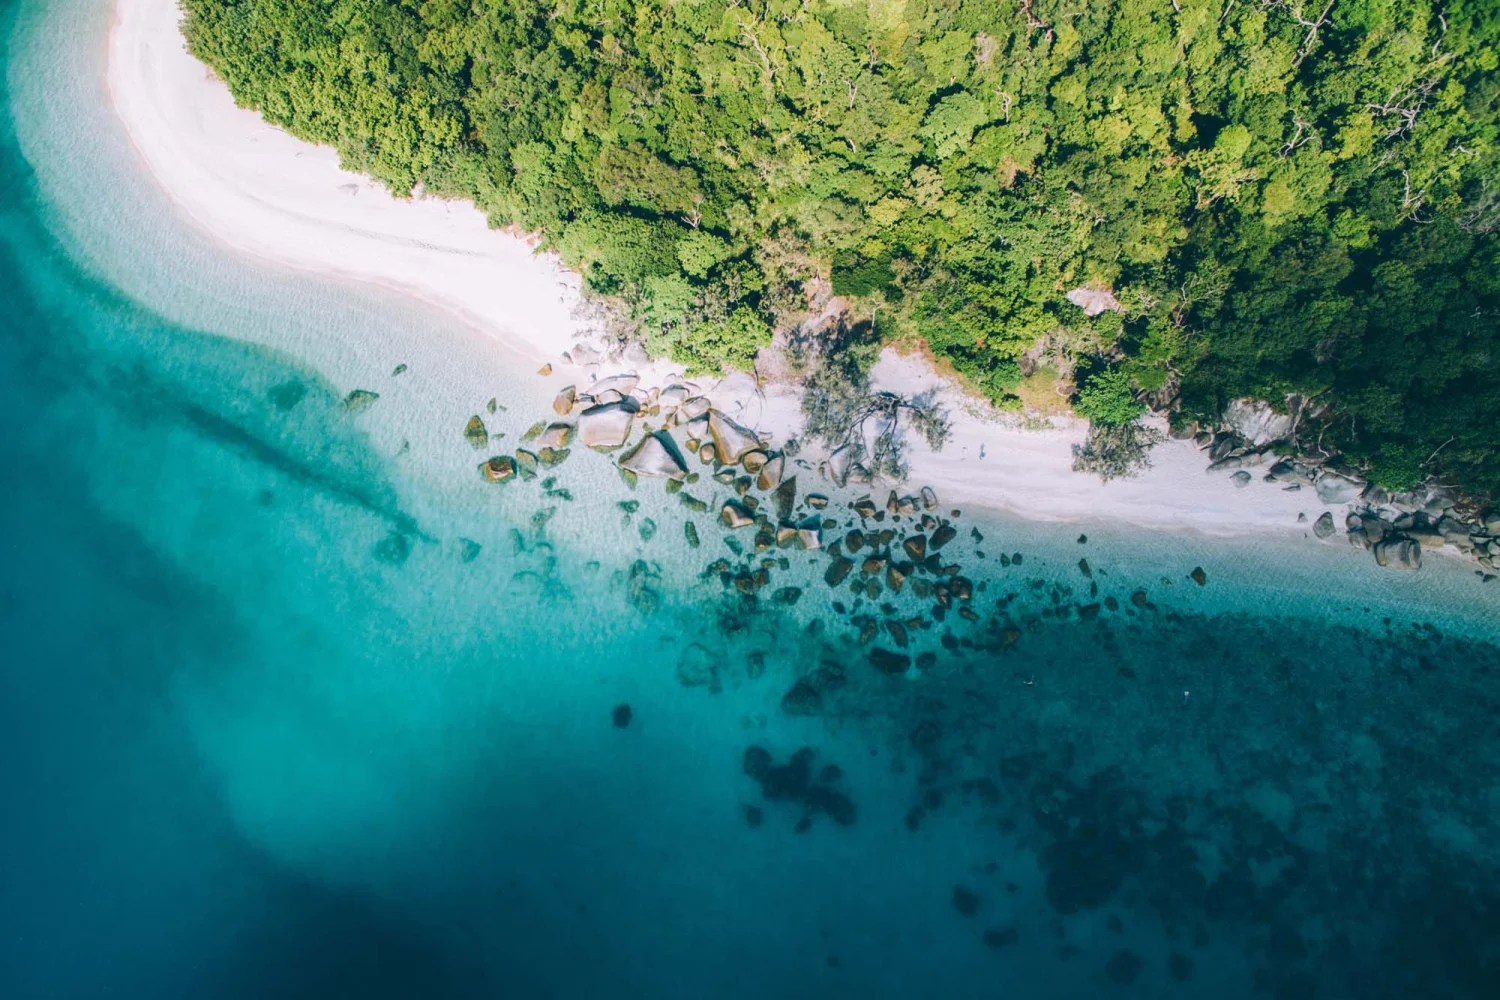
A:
(1282, 195)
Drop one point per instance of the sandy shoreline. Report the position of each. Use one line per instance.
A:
(263, 192)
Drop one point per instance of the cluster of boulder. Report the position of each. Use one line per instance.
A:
(1396, 527)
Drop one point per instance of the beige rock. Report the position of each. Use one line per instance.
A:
(606, 425)
(771, 473)
(656, 455)
(563, 402)
(557, 435)
(731, 440)
(736, 515)
(498, 469)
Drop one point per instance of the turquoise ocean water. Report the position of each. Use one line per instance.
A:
(271, 727)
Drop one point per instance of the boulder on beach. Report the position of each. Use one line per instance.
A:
(556, 435)
(1323, 526)
(731, 440)
(695, 406)
(656, 455)
(672, 395)
(1256, 422)
(606, 425)
(1399, 553)
(563, 402)
(1334, 488)
(623, 383)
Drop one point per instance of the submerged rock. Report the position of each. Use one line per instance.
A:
(476, 434)
(802, 699)
(393, 549)
(837, 571)
(360, 400)
(621, 716)
(556, 435)
(498, 469)
(888, 662)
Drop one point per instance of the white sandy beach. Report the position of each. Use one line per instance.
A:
(263, 192)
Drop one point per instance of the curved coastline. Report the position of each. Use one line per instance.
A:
(262, 192)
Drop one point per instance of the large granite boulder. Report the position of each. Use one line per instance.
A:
(769, 477)
(1334, 488)
(606, 425)
(623, 384)
(1323, 526)
(1094, 301)
(656, 455)
(1399, 553)
(1256, 422)
(731, 440)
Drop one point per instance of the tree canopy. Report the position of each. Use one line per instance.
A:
(1283, 195)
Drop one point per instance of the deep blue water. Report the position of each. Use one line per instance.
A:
(270, 727)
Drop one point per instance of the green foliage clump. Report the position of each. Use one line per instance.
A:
(1285, 196)
(1107, 398)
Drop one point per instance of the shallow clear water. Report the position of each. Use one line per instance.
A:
(265, 730)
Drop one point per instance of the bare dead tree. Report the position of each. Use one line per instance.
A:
(1411, 202)
(1302, 135)
(1295, 10)
(1482, 215)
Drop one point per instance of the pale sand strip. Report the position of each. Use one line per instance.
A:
(265, 193)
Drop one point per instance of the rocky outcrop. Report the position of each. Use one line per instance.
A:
(1094, 301)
